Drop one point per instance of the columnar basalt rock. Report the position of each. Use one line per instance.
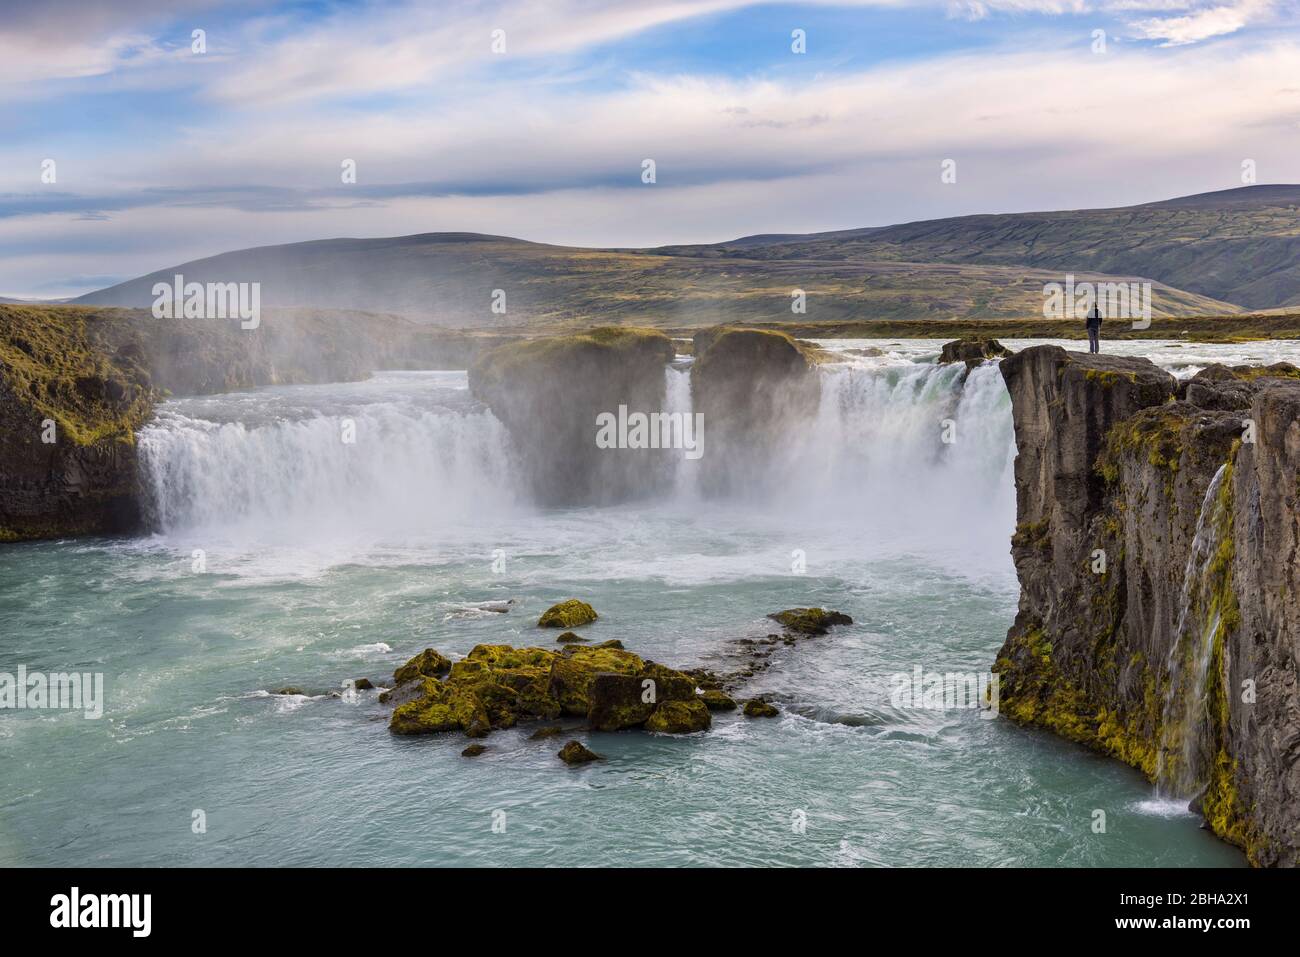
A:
(1261, 750)
(1120, 598)
(549, 393)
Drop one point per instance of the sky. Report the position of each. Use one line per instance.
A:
(140, 134)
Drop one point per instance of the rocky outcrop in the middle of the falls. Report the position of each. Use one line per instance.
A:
(757, 390)
(549, 393)
(1156, 546)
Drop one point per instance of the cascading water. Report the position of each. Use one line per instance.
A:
(1183, 757)
(399, 455)
(904, 448)
(915, 452)
(677, 399)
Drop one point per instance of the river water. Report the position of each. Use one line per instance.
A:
(286, 555)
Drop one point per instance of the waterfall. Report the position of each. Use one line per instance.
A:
(918, 453)
(912, 452)
(398, 456)
(1185, 725)
(677, 399)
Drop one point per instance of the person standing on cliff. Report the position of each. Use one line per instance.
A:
(1094, 327)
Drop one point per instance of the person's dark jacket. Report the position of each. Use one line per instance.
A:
(1094, 318)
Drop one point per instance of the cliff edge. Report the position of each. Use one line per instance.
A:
(1156, 547)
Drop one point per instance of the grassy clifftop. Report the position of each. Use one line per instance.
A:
(607, 345)
(74, 367)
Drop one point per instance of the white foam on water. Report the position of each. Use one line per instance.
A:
(364, 651)
(1164, 807)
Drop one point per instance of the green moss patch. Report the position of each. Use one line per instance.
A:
(567, 614)
(497, 686)
(60, 364)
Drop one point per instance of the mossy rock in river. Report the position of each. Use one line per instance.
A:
(573, 671)
(758, 708)
(567, 614)
(412, 690)
(575, 752)
(446, 709)
(716, 700)
(670, 685)
(809, 621)
(428, 663)
(617, 701)
(680, 717)
(570, 638)
(496, 686)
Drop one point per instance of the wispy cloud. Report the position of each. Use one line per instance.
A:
(547, 141)
(74, 39)
(1202, 24)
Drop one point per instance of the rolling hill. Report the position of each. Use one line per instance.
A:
(1238, 245)
(1215, 253)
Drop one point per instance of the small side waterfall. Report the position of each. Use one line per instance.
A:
(677, 399)
(1184, 748)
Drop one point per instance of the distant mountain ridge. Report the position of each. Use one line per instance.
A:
(1237, 245)
(1212, 253)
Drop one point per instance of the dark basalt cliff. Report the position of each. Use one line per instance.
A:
(70, 402)
(1156, 548)
(549, 392)
(756, 389)
(76, 383)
